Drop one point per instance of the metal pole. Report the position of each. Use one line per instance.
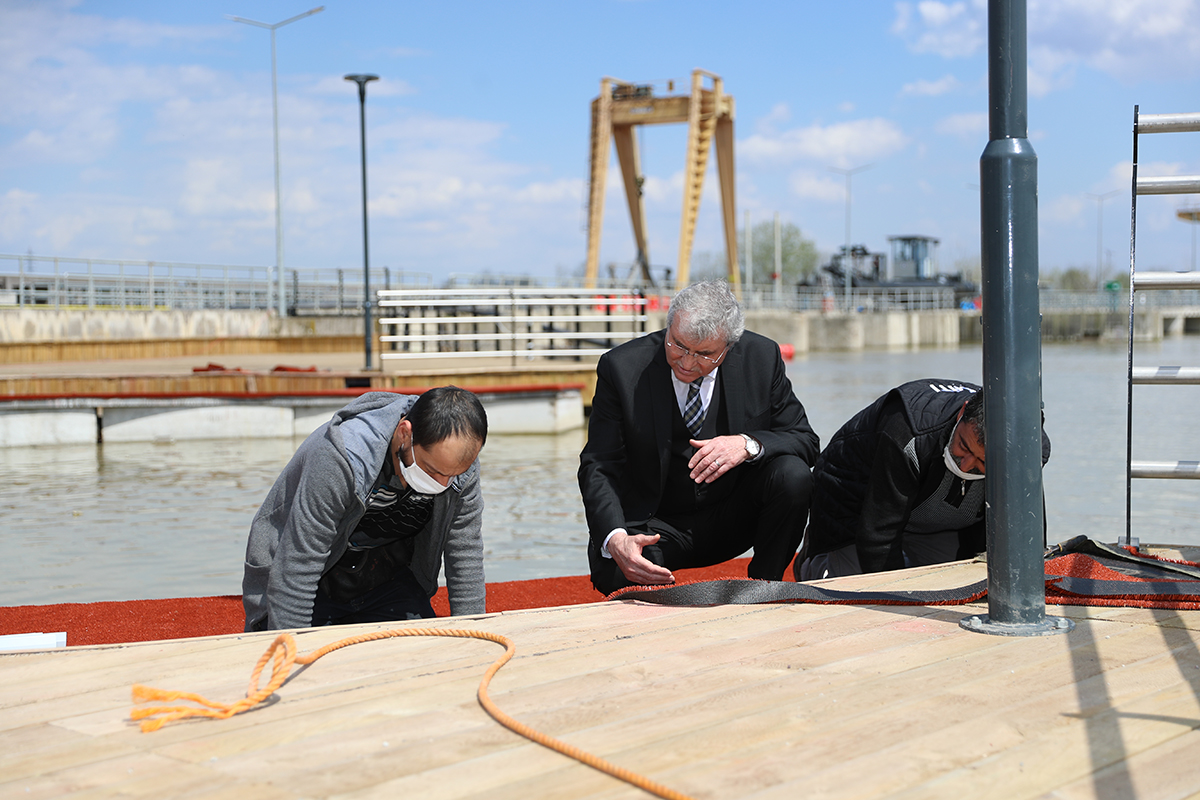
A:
(846, 261)
(778, 262)
(1012, 373)
(278, 203)
(1129, 540)
(749, 251)
(362, 81)
(275, 123)
(1100, 198)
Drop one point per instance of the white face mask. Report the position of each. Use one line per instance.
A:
(952, 465)
(418, 479)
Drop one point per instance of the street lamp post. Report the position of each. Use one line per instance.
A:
(362, 81)
(846, 262)
(1100, 198)
(275, 120)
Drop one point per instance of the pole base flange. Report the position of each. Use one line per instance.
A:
(1049, 626)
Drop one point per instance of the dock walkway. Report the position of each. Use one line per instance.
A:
(255, 372)
(773, 701)
(264, 392)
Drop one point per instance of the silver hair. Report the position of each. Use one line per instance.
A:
(706, 310)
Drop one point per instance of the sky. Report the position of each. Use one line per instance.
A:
(143, 130)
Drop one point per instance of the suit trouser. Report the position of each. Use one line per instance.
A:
(767, 511)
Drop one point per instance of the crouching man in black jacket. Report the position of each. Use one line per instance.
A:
(901, 484)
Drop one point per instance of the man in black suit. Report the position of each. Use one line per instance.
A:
(697, 449)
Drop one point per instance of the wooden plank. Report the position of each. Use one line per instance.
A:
(724, 701)
(1167, 771)
(109, 349)
(140, 775)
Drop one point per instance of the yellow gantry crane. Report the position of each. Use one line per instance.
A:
(708, 111)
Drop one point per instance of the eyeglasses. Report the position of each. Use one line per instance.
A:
(683, 351)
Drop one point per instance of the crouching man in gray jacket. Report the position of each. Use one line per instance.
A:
(357, 525)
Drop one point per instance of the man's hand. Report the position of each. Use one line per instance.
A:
(626, 550)
(715, 457)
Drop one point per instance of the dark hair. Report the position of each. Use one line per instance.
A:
(706, 310)
(444, 412)
(973, 416)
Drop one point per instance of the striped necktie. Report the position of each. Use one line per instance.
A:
(693, 409)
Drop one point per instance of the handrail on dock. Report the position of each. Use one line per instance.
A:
(509, 322)
(1144, 124)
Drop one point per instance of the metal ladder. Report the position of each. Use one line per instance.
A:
(1149, 281)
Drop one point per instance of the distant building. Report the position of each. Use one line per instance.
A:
(913, 257)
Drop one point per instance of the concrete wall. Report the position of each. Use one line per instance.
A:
(57, 325)
(1150, 325)
(813, 331)
(550, 411)
(803, 330)
(27, 325)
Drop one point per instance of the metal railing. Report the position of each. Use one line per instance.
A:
(754, 297)
(514, 323)
(1161, 285)
(863, 299)
(45, 282)
(29, 281)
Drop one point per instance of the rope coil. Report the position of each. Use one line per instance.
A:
(282, 652)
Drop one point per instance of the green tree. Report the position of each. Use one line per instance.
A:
(798, 256)
(709, 265)
(1074, 279)
(970, 268)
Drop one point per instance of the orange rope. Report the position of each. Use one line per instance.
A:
(283, 652)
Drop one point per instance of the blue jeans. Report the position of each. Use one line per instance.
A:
(400, 598)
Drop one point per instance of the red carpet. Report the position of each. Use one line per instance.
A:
(149, 620)
(178, 618)
(1081, 566)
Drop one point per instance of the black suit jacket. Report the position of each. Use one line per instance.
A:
(623, 466)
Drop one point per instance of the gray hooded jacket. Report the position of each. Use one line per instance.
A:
(303, 526)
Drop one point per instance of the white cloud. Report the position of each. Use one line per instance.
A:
(969, 125)
(1123, 38)
(923, 88)
(779, 114)
(1066, 209)
(566, 190)
(217, 188)
(15, 207)
(1118, 177)
(1152, 169)
(841, 144)
(1127, 39)
(813, 186)
(951, 30)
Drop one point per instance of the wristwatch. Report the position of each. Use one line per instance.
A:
(753, 447)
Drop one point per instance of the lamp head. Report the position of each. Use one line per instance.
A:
(362, 81)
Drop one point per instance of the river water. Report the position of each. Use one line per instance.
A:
(136, 521)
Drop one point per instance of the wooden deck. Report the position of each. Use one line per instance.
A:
(779, 701)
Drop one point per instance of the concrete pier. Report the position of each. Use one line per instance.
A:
(90, 420)
(76, 376)
(40, 335)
